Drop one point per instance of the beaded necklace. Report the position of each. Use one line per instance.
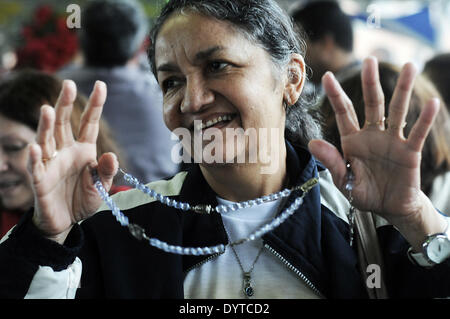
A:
(139, 233)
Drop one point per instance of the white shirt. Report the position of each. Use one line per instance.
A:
(222, 276)
(440, 193)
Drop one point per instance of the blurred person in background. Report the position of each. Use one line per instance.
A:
(329, 39)
(438, 71)
(435, 166)
(21, 96)
(113, 36)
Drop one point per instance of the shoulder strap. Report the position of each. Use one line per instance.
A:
(369, 253)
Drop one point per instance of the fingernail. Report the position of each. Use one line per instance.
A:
(99, 83)
(373, 58)
(66, 83)
(44, 106)
(329, 74)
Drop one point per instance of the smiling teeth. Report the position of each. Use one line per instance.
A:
(213, 122)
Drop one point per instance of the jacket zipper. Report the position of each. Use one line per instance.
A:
(204, 261)
(295, 270)
(274, 252)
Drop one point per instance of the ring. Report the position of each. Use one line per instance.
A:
(380, 122)
(402, 126)
(51, 157)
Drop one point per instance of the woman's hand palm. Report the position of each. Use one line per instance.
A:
(61, 166)
(385, 164)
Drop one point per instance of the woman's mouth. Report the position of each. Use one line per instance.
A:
(9, 185)
(217, 122)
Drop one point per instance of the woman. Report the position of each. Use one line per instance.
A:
(227, 64)
(21, 96)
(435, 163)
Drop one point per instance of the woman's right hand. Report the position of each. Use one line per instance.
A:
(61, 166)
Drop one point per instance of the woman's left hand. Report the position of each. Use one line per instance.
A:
(385, 164)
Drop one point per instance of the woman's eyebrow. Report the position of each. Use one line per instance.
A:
(205, 54)
(200, 56)
(167, 67)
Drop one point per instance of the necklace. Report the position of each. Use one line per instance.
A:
(247, 289)
(221, 209)
(139, 233)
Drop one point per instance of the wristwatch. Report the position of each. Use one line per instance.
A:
(435, 249)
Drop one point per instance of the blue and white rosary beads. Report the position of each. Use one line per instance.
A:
(208, 209)
(351, 212)
(139, 233)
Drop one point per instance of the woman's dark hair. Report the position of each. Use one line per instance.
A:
(265, 24)
(23, 93)
(438, 71)
(436, 150)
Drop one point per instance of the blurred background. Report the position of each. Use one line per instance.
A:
(397, 31)
(35, 33)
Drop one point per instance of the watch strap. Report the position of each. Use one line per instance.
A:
(420, 258)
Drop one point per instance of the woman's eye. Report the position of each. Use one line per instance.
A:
(170, 84)
(217, 66)
(12, 148)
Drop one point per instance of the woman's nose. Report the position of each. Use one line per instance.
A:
(196, 95)
(3, 161)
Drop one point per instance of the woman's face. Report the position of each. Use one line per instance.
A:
(15, 181)
(210, 73)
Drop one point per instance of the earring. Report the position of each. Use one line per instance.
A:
(287, 101)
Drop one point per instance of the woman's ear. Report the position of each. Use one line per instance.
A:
(295, 79)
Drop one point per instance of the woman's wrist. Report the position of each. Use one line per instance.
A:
(417, 227)
(59, 238)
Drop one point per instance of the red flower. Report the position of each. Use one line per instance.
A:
(61, 25)
(43, 14)
(47, 43)
(27, 32)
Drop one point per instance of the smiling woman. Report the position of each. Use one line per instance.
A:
(219, 74)
(264, 25)
(15, 183)
(233, 65)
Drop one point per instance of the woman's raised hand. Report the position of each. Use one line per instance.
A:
(61, 166)
(385, 164)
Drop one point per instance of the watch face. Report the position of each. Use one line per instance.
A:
(438, 249)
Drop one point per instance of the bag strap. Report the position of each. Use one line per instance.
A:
(369, 252)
